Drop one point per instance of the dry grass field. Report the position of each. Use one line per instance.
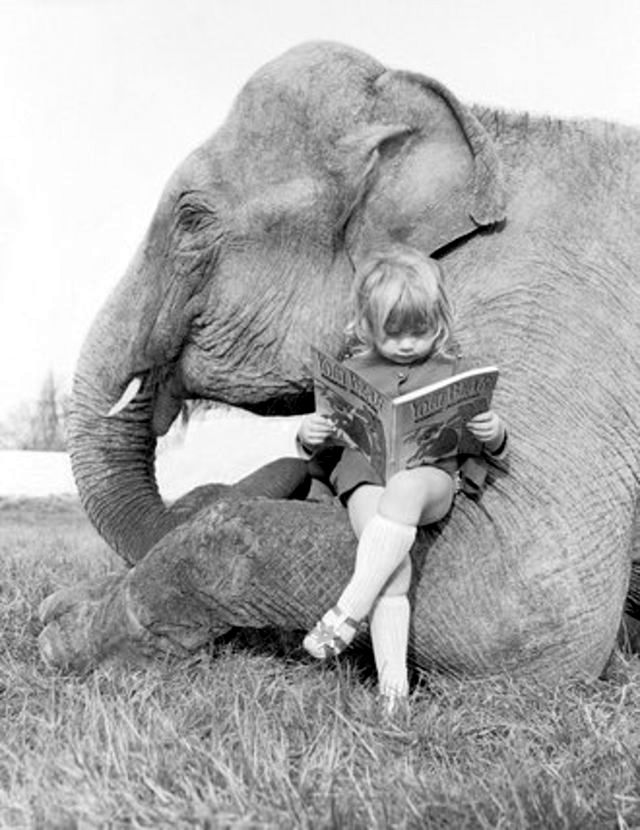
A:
(252, 734)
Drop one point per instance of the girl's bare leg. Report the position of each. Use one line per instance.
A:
(363, 506)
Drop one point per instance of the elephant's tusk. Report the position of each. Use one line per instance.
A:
(133, 387)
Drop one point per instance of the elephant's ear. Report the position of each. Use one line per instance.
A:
(437, 181)
(360, 154)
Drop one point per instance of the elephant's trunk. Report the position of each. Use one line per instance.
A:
(113, 455)
(113, 464)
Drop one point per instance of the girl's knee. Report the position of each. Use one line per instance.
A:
(419, 496)
(404, 485)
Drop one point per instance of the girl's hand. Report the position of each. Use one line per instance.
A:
(488, 428)
(315, 429)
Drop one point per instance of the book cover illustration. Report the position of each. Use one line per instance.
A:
(431, 425)
(354, 406)
(416, 428)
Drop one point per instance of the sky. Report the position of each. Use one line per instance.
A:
(101, 99)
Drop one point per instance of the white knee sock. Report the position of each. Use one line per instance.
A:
(383, 545)
(389, 628)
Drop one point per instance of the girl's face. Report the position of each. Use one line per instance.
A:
(406, 347)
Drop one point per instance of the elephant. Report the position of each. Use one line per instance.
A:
(248, 262)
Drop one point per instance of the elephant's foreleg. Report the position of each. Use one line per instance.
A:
(87, 622)
(236, 563)
(243, 563)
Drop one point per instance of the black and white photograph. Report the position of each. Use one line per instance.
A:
(215, 611)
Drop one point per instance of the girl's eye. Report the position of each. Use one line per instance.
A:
(417, 331)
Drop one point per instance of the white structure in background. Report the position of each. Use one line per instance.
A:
(218, 446)
(215, 446)
(30, 473)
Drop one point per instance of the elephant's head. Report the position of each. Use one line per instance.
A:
(325, 153)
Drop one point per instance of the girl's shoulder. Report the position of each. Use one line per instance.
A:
(464, 364)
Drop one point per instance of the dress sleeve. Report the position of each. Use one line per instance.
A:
(301, 450)
(501, 452)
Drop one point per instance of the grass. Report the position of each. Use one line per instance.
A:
(252, 734)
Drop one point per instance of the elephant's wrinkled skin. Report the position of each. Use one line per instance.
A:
(248, 261)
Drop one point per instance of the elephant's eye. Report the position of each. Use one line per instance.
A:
(193, 216)
(191, 219)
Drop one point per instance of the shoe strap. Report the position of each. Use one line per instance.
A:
(343, 619)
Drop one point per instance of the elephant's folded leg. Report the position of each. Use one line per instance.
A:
(254, 563)
(236, 563)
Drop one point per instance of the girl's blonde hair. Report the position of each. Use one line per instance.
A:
(400, 289)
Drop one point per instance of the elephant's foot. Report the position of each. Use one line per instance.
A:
(88, 623)
(62, 601)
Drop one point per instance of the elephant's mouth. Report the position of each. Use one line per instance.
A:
(283, 406)
(267, 390)
(289, 404)
(169, 398)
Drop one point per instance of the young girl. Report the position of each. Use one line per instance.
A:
(403, 325)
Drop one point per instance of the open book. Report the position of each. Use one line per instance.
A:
(406, 431)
